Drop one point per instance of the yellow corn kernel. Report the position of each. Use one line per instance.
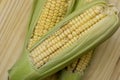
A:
(80, 64)
(52, 13)
(67, 35)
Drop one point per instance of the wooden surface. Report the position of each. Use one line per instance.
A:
(14, 16)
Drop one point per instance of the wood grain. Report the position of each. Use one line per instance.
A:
(14, 18)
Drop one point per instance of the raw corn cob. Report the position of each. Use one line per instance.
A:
(76, 70)
(46, 15)
(52, 12)
(66, 36)
(73, 36)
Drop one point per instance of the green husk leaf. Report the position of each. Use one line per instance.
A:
(68, 75)
(82, 3)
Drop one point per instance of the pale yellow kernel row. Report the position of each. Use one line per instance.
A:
(72, 66)
(80, 64)
(84, 62)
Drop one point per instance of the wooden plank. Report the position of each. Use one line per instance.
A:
(116, 73)
(14, 15)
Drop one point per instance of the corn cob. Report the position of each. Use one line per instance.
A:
(53, 11)
(66, 36)
(76, 70)
(70, 38)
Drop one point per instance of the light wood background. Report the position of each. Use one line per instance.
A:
(14, 16)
